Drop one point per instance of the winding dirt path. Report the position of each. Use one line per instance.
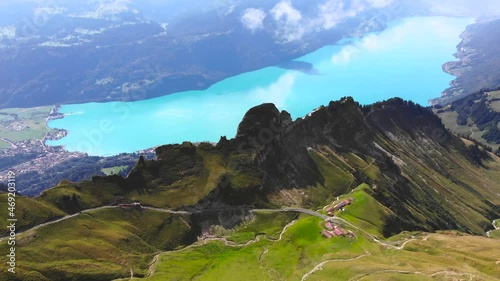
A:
(151, 268)
(228, 243)
(445, 272)
(94, 210)
(299, 210)
(321, 264)
(62, 219)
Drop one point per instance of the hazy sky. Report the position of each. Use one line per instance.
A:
(473, 8)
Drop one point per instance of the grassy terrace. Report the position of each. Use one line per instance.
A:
(113, 170)
(495, 105)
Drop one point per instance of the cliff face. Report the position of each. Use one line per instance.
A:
(478, 67)
(400, 149)
(327, 154)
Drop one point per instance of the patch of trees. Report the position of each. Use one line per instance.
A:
(476, 108)
(13, 115)
(77, 169)
(478, 154)
(11, 161)
(492, 135)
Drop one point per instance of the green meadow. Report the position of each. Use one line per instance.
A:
(303, 254)
(100, 245)
(113, 170)
(18, 124)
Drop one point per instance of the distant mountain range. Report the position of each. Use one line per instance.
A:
(116, 50)
(127, 50)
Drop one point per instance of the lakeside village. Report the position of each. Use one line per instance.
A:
(40, 156)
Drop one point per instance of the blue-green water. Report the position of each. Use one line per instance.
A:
(405, 60)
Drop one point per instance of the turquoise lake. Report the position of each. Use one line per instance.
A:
(405, 60)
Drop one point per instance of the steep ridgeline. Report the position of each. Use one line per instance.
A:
(426, 176)
(413, 173)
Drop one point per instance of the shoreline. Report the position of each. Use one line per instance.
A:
(477, 65)
(296, 64)
(54, 133)
(452, 68)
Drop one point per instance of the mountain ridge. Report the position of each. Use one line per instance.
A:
(271, 152)
(405, 170)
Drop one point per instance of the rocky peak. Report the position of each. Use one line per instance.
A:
(264, 119)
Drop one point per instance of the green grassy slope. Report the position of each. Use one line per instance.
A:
(29, 212)
(476, 116)
(18, 124)
(365, 211)
(100, 245)
(302, 249)
(268, 224)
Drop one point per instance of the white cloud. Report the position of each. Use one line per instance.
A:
(253, 19)
(468, 8)
(55, 44)
(285, 11)
(8, 32)
(230, 10)
(290, 25)
(293, 25)
(330, 14)
(379, 3)
(346, 54)
(370, 43)
(395, 36)
(106, 9)
(333, 12)
(373, 43)
(84, 31)
(46, 11)
(278, 92)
